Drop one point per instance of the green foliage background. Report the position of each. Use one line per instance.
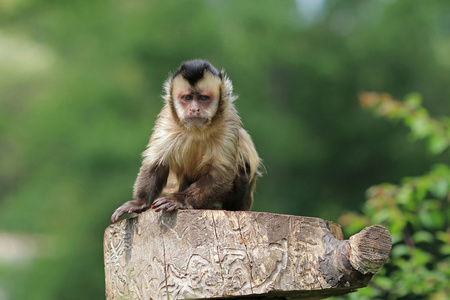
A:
(80, 86)
(416, 212)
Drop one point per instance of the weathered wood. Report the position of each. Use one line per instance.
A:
(215, 254)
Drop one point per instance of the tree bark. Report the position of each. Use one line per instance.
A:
(217, 254)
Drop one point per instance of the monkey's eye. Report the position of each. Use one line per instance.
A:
(203, 97)
(187, 97)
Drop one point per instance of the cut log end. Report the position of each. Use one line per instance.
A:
(369, 249)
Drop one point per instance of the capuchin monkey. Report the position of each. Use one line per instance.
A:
(199, 156)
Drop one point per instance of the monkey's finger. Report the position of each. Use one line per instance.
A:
(158, 202)
(115, 216)
(118, 213)
(156, 206)
(162, 205)
(155, 203)
(171, 208)
(159, 208)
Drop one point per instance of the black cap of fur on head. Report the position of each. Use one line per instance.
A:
(193, 70)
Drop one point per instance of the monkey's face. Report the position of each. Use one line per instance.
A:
(196, 105)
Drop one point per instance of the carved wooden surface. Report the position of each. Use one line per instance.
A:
(215, 253)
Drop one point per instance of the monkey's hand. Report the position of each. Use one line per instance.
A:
(170, 203)
(134, 206)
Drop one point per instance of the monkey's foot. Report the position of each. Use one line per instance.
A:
(169, 203)
(129, 207)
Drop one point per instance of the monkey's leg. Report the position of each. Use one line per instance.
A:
(240, 196)
(148, 186)
(205, 193)
(247, 201)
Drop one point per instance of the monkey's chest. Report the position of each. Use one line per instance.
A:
(193, 161)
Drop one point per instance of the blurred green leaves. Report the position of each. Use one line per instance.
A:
(80, 86)
(437, 132)
(416, 212)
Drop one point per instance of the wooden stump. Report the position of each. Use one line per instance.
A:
(215, 254)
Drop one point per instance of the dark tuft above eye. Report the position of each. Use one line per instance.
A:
(203, 97)
(187, 97)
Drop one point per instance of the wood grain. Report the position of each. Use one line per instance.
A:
(215, 254)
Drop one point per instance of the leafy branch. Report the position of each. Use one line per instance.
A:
(416, 212)
(414, 116)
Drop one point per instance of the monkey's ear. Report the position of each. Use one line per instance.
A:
(222, 73)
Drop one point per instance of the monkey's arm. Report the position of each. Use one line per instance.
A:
(149, 184)
(206, 192)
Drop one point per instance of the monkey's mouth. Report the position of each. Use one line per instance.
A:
(195, 120)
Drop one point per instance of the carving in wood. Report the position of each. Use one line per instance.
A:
(215, 253)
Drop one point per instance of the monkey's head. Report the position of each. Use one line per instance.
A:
(195, 93)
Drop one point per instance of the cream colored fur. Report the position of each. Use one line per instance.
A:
(190, 151)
